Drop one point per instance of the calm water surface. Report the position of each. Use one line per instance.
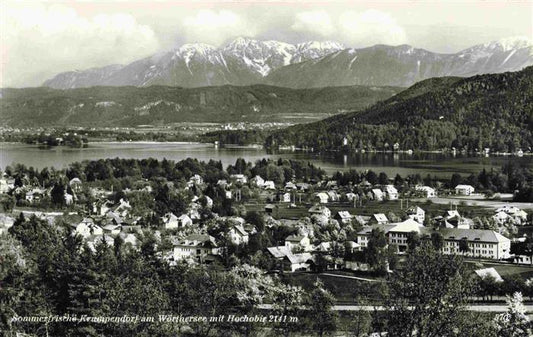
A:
(423, 163)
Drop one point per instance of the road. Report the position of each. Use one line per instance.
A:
(352, 277)
(473, 307)
(476, 201)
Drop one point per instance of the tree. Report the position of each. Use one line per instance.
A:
(515, 322)
(463, 246)
(323, 319)
(58, 195)
(427, 295)
(413, 240)
(361, 322)
(383, 179)
(488, 286)
(376, 254)
(455, 180)
(287, 301)
(8, 203)
(437, 240)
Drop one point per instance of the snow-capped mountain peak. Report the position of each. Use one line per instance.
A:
(510, 43)
(314, 50)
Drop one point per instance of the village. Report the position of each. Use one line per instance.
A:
(285, 224)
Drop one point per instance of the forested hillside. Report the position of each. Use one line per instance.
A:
(489, 111)
(159, 105)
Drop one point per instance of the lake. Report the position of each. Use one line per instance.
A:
(390, 163)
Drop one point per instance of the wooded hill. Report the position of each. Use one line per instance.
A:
(488, 111)
(160, 105)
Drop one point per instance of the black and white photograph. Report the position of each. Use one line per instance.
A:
(266, 168)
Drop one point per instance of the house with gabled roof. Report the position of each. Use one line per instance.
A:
(238, 234)
(391, 192)
(343, 217)
(428, 192)
(416, 213)
(170, 221)
(239, 178)
(195, 247)
(377, 194)
(269, 185)
(184, 221)
(464, 189)
(298, 242)
(257, 181)
(489, 272)
(378, 218)
(289, 261)
(87, 227)
(322, 197)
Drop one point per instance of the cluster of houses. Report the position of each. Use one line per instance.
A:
(299, 253)
(108, 221)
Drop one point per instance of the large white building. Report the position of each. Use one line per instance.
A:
(397, 233)
(481, 243)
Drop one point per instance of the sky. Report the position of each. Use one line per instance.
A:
(39, 39)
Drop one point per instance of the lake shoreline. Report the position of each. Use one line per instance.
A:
(392, 163)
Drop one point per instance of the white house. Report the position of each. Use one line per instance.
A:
(238, 235)
(269, 185)
(378, 194)
(416, 213)
(290, 261)
(464, 189)
(298, 242)
(87, 227)
(486, 272)
(75, 184)
(322, 197)
(397, 233)
(290, 186)
(429, 192)
(184, 221)
(350, 196)
(285, 197)
(239, 178)
(343, 217)
(195, 180)
(379, 218)
(257, 181)
(170, 221)
(123, 209)
(195, 247)
(6, 222)
(392, 192)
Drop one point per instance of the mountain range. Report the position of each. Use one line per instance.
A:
(313, 64)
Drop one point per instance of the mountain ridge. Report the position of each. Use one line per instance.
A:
(160, 105)
(313, 64)
(493, 111)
